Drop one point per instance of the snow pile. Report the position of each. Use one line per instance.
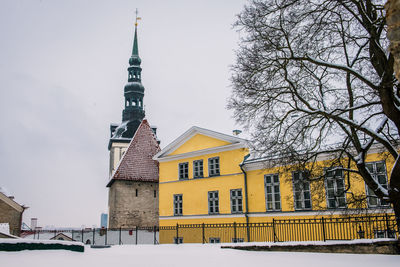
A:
(184, 255)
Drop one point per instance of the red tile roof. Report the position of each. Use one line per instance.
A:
(137, 164)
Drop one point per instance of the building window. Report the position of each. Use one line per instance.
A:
(237, 240)
(136, 192)
(178, 205)
(213, 166)
(301, 191)
(183, 170)
(335, 195)
(272, 192)
(198, 168)
(155, 193)
(378, 172)
(213, 202)
(178, 240)
(236, 201)
(214, 240)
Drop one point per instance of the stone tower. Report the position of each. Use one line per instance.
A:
(133, 188)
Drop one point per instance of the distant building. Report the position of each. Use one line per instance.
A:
(104, 220)
(11, 213)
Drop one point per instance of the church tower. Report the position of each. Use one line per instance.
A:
(133, 112)
(133, 183)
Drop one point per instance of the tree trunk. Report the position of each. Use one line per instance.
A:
(394, 191)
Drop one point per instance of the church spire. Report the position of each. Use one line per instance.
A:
(134, 90)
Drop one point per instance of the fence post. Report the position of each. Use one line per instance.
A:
(105, 237)
(273, 228)
(203, 234)
(136, 234)
(387, 225)
(234, 232)
(120, 235)
(155, 234)
(248, 231)
(82, 235)
(323, 228)
(177, 233)
(94, 233)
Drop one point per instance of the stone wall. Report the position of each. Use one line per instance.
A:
(127, 210)
(374, 247)
(393, 21)
(11, 216)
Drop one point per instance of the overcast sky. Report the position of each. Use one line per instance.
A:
(62, 73)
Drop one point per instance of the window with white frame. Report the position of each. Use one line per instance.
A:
(301, 191)
(214, 240)
(272, 192)
(183, 170)
(335, 187)
(213, 166)
(213, 202)
(178, 240)
(237, 240)
(178, 204)
(236, 201)
(198, 168)
(378, 172)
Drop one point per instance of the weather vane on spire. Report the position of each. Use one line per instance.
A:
(137, 18)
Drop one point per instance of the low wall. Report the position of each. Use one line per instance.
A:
(19, 244)
(391, 247)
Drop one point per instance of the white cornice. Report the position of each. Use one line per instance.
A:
(200, 152)
(258, 164)
(192, 132)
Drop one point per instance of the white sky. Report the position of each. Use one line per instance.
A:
(62, 72)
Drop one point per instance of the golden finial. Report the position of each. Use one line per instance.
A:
(137, 18)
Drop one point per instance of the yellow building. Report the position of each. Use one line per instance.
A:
(208, 177)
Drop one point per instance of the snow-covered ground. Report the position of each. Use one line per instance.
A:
(188, 255)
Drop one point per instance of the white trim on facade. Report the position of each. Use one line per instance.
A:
(163, 154)
(200, 152)
(215, 216)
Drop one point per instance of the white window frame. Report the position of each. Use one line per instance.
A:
(213, 202)
(214, 240)
(335, 178)
(370, 194)
(183, 170)
(304, 188)
(236, 201)
(274, 198)
(213, 166)
(198, 168)
(178, 240)
(178, 204)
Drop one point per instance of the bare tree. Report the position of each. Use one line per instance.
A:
(316, 77)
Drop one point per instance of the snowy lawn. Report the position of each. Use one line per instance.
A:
(188, 255)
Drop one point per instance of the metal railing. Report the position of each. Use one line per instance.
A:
(283, 230)
(98, 236)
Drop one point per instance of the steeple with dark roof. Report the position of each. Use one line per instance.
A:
(133, 112)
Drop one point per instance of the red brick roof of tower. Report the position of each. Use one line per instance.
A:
(137, 163)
